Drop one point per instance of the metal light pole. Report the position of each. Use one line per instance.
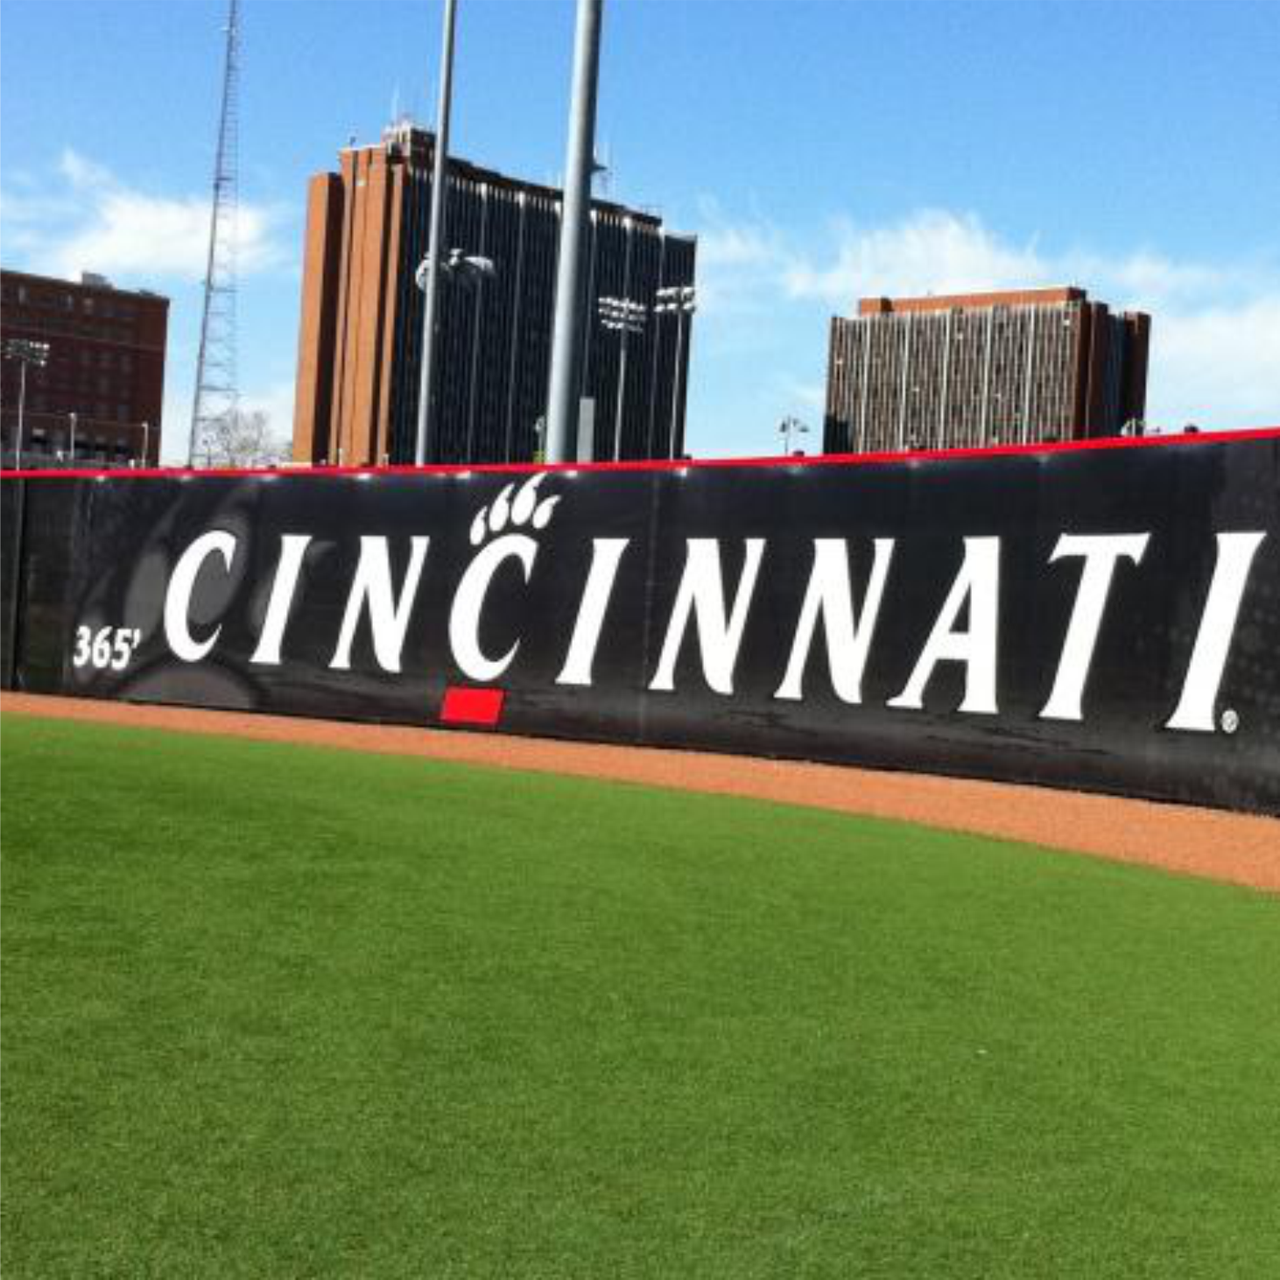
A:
(680, 300)
(22, 409)
(625, 317)
(146, 439)
(75, 418)
(26, 353)
(438, 193)
(569, 332)
(786, 428)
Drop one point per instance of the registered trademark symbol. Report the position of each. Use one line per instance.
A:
(1230, 721)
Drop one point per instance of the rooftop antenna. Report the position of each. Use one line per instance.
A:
(217, 394)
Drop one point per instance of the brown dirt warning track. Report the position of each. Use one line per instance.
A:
(1240, 848)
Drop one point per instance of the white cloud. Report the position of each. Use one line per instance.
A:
(931, 252)
(1215, 324)
(81, 172)
(127, 234)
(276, 401)
(739, 264)
(1160, 281)
(1219, 366)
(730, 246)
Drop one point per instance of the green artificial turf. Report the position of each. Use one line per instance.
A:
(275, 1011)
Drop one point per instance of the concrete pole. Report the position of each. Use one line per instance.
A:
(435, 249)
(570, 329)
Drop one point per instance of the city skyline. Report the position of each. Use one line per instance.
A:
(820, 151)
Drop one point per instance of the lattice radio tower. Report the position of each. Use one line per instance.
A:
(217, 394)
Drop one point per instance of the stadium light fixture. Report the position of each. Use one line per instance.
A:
(26, 352)
(787, 428)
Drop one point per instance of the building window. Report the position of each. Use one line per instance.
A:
(88, 306)
(104, 360)
(126, 362)
(122, 413)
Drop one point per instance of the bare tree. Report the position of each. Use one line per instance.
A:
(241, 439)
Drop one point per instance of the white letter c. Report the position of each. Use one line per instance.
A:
(177, 602)
(464, 619)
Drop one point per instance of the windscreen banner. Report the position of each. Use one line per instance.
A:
(1097, 618)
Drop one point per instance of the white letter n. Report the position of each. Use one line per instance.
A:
(388, 616)
(829, 599)
(701, 596)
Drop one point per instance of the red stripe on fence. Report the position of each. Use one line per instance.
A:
(465, 470)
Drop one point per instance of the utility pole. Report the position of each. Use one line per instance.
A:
(217, 394)
(435, 246)
(569, 332)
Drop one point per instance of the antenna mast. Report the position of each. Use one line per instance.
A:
(217, 395)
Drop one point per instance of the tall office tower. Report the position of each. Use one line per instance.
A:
(361, 333)
(982, 369)
(99, 395)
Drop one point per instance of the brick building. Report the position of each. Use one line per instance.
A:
(361, 330)
(105, 365)
(973, 370)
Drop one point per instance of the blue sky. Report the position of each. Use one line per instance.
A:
(821, 150)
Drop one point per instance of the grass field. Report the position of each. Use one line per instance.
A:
(276, 1011)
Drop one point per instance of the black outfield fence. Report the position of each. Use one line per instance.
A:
(1104, 618)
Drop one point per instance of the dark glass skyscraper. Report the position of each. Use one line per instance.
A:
(361, 333)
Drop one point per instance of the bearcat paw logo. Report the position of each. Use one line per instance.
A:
(514, 513)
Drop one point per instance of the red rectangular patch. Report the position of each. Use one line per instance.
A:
(472, 706)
